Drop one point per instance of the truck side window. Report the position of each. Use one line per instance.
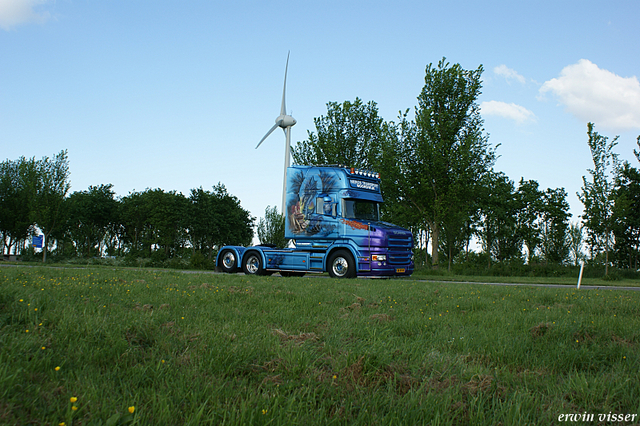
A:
(326, 206)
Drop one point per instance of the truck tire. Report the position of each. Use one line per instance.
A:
(341, 265)
(252, 264)
(228, 261)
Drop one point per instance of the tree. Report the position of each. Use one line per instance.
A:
(48, 191)
(626, 217)
(598, 194)
(499, 209)
(90, 216)
(397, 208)
(530, 199)
(203, 219)
(15, 221)
(167, 219)
(554, 225)
(271, 228)
(154, 221)
(444, 158)
(349, 134)
(576, 241)
(235, 226)
(216, 218)
(135, 228)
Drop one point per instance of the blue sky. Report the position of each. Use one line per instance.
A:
(176, 95)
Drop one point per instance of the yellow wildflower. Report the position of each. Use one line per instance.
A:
(132, 409)
(73, 399)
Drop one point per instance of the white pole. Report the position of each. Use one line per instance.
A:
(580, 276)
(286, 166)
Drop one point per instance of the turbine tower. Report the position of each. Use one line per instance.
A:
(286, 122)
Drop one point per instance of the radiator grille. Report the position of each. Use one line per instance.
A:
(400, 249)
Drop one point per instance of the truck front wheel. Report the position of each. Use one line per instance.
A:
(252, 264)
(341, 265)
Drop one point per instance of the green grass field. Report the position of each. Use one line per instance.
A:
(115, 346)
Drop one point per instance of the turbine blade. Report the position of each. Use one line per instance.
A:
(283, 109)
(275, 126)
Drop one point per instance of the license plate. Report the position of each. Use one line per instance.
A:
(400, 271)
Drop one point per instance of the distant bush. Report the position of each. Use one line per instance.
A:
(478, 264)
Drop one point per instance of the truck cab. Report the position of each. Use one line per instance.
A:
(333, 218)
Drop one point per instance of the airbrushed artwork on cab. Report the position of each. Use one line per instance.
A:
(308, 212)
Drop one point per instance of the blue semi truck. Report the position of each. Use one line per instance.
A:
(333, 219)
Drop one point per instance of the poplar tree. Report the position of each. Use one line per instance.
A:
(446, 158)
(598, 194)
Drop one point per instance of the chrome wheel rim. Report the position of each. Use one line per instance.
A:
(228, 260)
(340, 266)
(252, 264)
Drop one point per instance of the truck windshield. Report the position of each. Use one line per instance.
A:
(361, 209)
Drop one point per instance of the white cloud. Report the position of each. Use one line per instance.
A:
(16, 12)
(508, 73)
(511, 111)
(597, 95)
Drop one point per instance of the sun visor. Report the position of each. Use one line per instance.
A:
(361, 195)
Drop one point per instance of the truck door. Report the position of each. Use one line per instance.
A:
(327, 210)
(357, 217)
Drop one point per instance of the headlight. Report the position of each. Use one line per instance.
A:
(379, 257)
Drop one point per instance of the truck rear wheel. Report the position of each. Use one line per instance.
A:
(252, 264)
(341, 265)
(228, 261)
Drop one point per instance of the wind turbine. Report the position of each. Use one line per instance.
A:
(286, 122)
